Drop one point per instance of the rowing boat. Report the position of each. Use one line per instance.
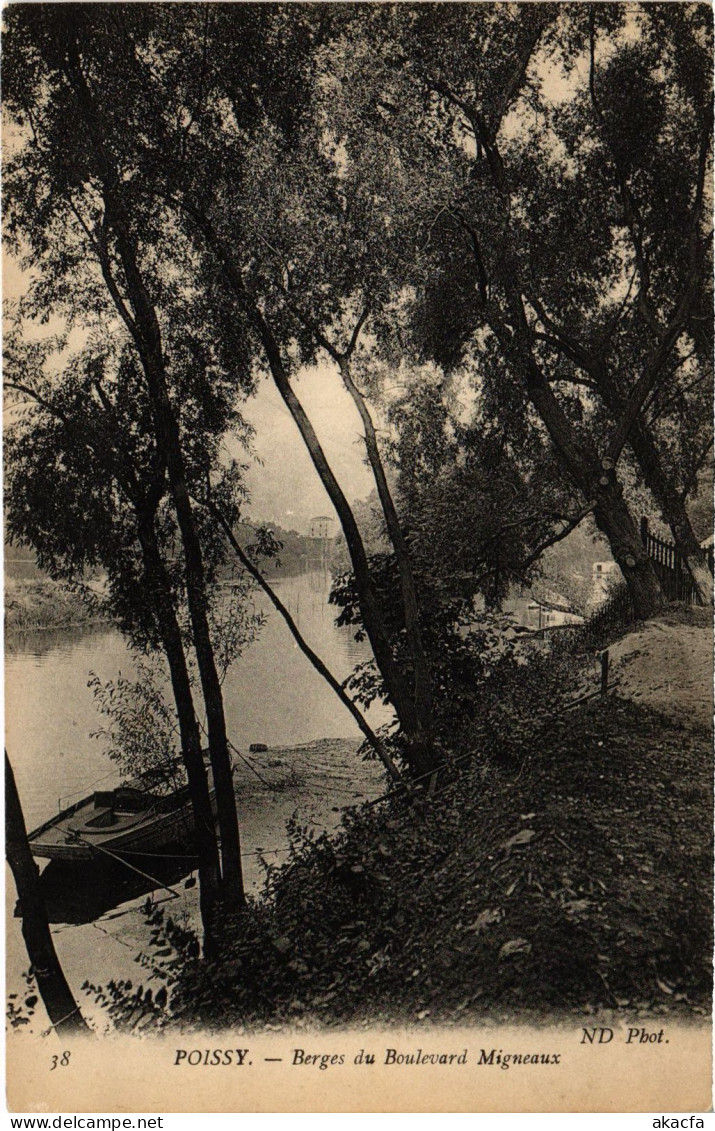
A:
(133, 818)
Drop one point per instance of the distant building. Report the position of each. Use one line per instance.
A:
(551, 611)
(602, 576)
(323, 537)
(322, 527)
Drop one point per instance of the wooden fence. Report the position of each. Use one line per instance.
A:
(676, 582)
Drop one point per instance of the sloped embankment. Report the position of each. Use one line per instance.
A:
(580, 882)
(668, 665)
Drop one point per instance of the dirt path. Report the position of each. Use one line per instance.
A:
(668, 665)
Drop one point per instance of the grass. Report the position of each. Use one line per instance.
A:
(44, 604)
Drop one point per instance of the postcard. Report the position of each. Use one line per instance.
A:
(358, 508)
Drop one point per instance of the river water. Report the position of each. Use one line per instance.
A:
(272, 695)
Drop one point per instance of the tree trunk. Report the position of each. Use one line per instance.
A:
(419, 754)
(611, 511)
(168, 437)
(307, 651)
(205, 835)
(673, 510)
(614, 519)
(62, 1009)
(143, 326)
(169, 442)
(420, 665)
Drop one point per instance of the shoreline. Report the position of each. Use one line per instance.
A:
(44, 605)
(13, 630)
(118, 944)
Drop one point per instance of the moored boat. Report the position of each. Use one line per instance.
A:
(132, 818)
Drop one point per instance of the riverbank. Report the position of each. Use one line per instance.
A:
(573, 884)
(579, 883)
(40, 604)
(682, 686)
(98, 916)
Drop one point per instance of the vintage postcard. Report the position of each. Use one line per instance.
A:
(358, 507)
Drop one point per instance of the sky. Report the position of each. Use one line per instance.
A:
(286, 488)
(284, 485)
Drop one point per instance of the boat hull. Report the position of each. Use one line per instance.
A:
(68, 838)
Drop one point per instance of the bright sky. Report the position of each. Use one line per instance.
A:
(284, 487)
(287, 488)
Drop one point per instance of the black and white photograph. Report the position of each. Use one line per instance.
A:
(358, 545)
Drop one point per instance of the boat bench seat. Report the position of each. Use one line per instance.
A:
(125, 798)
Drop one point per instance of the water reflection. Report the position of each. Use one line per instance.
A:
(271, 695)
(77, 893)
(39, 641)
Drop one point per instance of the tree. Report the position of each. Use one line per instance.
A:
(480, 492)
(394, 119)
(364, 185)
(504, 253)
(213, 176)
(564, 243)
(86, 487)
(62, 1009)
(74, 67)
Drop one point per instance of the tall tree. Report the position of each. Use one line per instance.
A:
(213, 158)
(580, 242)
(522, 234)
(64, 67)
(111, 73)
(86, 487)
(481, 493)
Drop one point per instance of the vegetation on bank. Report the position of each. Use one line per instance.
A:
(579, 880)
(572, 872)
(43, 604)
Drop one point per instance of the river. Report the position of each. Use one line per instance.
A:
(272, 695)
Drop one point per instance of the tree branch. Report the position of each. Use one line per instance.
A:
(567, 343)
(99, 247)
(558, 537)
(356, 333)
(631, 211)
(126, 476)
(478, 257)
(305, 648)
(546, 14)
(663, 407)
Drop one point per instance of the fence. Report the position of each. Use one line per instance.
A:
(675, 580)
(614, 615)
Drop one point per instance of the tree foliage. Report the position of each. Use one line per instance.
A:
(512, 199)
